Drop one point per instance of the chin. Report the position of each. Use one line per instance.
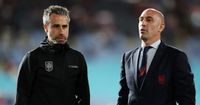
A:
(143, 38)
(61, 42)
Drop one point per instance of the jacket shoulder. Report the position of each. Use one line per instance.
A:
(35, 51)
(127, 55)
(174, 50)
(75, 52)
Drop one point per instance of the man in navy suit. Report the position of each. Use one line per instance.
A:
(155, 73)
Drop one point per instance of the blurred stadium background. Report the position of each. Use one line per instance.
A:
(102, 30)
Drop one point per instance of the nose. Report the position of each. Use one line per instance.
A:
(143, 23)
(61, 29)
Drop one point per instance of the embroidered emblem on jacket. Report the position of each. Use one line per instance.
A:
(161, 79)
(49, 66)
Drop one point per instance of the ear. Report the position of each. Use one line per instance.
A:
(45, 28)
(162, 27)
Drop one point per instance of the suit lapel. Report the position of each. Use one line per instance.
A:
(134, 69)
(155, 62)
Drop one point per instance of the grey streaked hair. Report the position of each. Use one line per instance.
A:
(56, 9)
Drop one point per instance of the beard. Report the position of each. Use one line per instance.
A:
(143, 37)
(59, 40)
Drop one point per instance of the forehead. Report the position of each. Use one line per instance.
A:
(57, 17)
(151, 13)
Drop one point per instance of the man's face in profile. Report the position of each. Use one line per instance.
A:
(150, 24)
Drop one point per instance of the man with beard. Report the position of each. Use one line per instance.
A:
(54, 73)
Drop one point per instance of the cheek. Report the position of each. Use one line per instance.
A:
(53, 31)
(154, 28)
(66, 31)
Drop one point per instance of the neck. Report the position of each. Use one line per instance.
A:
(149, 42)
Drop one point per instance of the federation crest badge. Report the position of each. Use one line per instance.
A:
(161, 79)
(49, 66)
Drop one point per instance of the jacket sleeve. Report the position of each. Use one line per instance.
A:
(124, 91)
(183, 81)
(23, 83)
(83, 92)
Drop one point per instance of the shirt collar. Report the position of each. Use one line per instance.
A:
(154, 45)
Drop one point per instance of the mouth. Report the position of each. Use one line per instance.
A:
(61, 39)
(142, 30)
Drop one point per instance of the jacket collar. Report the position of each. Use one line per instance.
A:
(54, 48)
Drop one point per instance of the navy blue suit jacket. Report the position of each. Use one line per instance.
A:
(169, 80)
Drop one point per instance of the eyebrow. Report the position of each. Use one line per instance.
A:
(149, 17)
(58, 25)
(146, 17)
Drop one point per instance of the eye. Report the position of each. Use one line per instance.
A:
(141, 19)
(56, 26)
(64, 26)
(149, 19)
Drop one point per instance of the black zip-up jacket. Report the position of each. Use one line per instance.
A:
(53, 75)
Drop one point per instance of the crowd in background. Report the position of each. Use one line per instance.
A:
(101, 29)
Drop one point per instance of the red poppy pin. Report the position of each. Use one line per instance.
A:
(161, 79)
